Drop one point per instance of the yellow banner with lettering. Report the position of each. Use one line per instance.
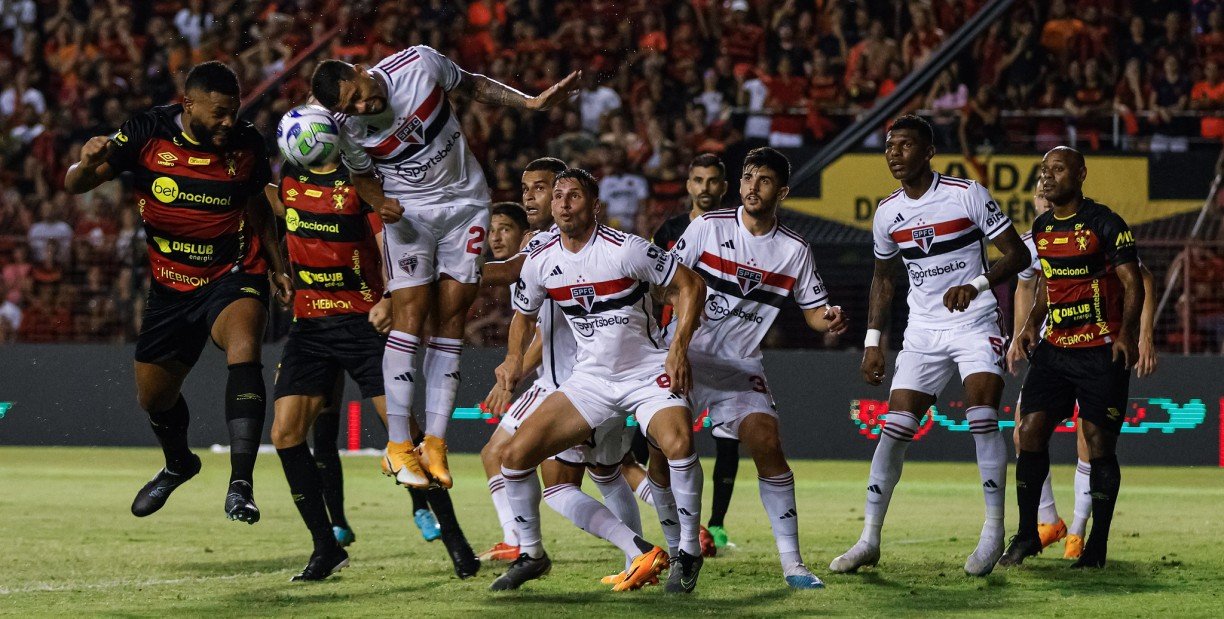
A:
(854, 184)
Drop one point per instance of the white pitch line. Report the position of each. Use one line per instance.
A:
(115, 584)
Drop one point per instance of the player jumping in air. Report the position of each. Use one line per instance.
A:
(1092, 292)
(601, 278)
(751, 264)
(937, 225)
(199, 176)
(409, 159)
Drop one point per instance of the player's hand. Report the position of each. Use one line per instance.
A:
(1125, 346)
(958, 298)
(530, 234)
(509, 373)
(557, 93)
(873, 365)
(96, 150)
(498, 401)
(1147, 357)
(679, 372)
(390, 211)
(380, 316)
(283, 286)
(1015, 354)
(837, 319)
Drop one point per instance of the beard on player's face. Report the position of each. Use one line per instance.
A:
(216, 136)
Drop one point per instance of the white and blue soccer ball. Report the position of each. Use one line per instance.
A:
(308, 136)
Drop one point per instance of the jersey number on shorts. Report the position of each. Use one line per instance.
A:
(476, 243)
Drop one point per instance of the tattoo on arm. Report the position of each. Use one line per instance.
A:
(881, 292)
(485, 90)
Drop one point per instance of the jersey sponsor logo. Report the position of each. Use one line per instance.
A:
(198, 161)
(251, 291)
(167, 159)
(918, 274)
(680, 244)
(1075, 312)
(1125, 238)
(584, 295)
(995, 215)
(415, 173)
(586, 326)
(324, 305)
(314, 193)
(923, 237)
(717, 308)
(294, 222)
(409, 264)
(1074, 339)
(166, 190)
(195, 250)
(121, 138)
(749, 279)
(1049, 270)
(291, 195)
(327, 280)
(175, 276)
(556, 271)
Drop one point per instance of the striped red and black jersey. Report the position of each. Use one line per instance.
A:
(333, 253)
(193, 197)
(1079, 256)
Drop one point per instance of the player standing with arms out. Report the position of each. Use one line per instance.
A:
(1092, 292)
(601, 280)
(937, 225)
(751, 264)
(409, 159)
(198, 176)
(1050, 527)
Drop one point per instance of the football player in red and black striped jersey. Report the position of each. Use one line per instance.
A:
(198, 175)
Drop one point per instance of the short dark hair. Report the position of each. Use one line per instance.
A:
(546, 164)
(584, 178)
(766, 157)
(213, 76)
(916, 124)
(325, 83)
(709, 160)
(514, 211)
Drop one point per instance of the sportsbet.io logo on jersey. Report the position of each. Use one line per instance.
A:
(587, 327)
(918, 274)
(717, 308)
(166, 190)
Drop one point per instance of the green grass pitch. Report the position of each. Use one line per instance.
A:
(69, 546)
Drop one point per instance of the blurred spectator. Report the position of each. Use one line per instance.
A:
(19, 95)
(742, 40)
(623, 191)
(15, 276)
(595, 100)
(922, 39)
(1208, 96)
(50, 235)
(1170, 95)
(946, 98)
(1060, 31)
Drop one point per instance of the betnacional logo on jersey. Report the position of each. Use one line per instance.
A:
(584, 295)
(924, 237)
(749, 279)
(166, 190)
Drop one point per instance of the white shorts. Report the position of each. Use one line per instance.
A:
(607, 445)
(730, 392)
(429, 242)
(599, 399)
(929, 356)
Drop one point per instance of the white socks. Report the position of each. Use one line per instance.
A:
(399, 369)
(686, 480)
(523, 492)
(669, 519)
(886, 464)
(1047, 509)
(1083, 498)
(778, 497)
(501, 502)
(441, 369)
(591, 516)
(992, 465)
(619, 498)
(643, 492)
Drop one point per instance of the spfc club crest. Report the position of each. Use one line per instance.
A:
(409, 264)
(749, 279)
(584, 295)
(924, 237)
(413, 132)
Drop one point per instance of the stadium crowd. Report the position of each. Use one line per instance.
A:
(663, 82)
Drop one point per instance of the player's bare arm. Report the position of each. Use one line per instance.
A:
(1126, 343)
(369, 187)
(827, 318)
(499, 399)
(260, 214)
(1147, 325)
(687, 291)
(272, 193)
(1026, 289)
(522, 329)
(879, 303)
(1028, 337)
(1016, 256)
(485, 90)
(92, 170)
(381, 314)
(502, 272)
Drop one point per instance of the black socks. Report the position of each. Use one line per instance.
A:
(170, 426)
(245, 409)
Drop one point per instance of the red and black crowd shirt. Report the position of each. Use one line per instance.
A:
(193, 197)
(332, 246)
(1079, 256)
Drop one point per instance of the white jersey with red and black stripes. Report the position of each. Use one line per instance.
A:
(559, 348)
(748, 278)
(416, 144)
(941, 237)
(603, 291)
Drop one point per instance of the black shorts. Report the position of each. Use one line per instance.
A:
(177, 325)
(1060, 377)
(318, 349)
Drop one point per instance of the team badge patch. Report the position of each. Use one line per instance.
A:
(584, 294)
(749, 279)
(409, 264)
(413, 132)
(924, 238)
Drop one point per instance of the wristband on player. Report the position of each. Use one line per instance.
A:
(981, 283)
(872, 339)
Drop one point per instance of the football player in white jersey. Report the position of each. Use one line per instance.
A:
(409, 159)
(601, 280)
(751, 263)
(937, 225)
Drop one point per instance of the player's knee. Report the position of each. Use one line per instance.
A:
(491, 453)
(242, 350)
(152, 401)
(285, 433)
(516, 455)
(675, 444)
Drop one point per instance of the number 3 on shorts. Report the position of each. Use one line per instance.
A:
(475, 244)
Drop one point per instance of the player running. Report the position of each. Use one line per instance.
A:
(1050, 527)
(938, 226)
(198, 174)
(409, 159)
(751, 264)
(600, 278)
(1093, 294)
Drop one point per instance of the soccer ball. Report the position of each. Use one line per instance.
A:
(308, 136)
